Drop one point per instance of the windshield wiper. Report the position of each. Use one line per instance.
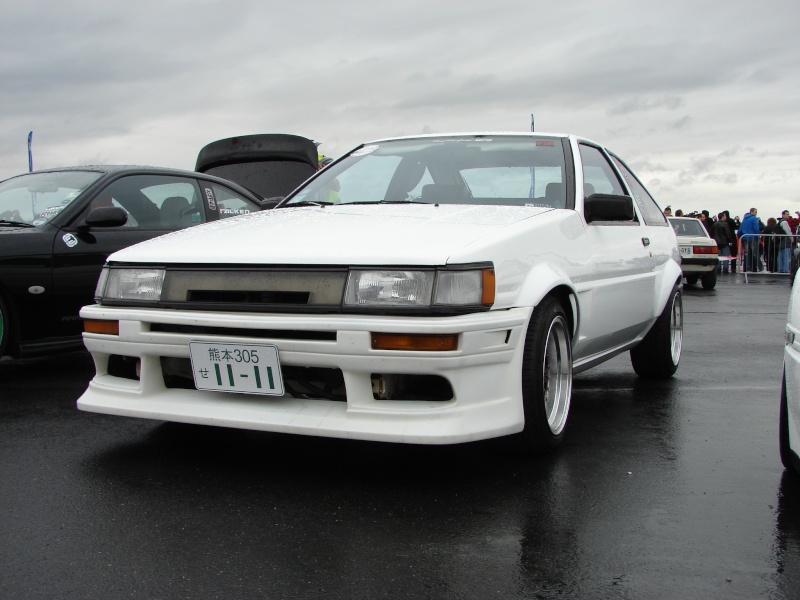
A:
(388, 202)
(304, 203)
(15, 223)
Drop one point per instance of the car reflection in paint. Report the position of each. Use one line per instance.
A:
(431, 289)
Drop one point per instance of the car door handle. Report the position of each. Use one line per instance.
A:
(645, 241)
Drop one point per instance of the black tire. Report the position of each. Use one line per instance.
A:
(691, 279)
(5, 327)
(657, 356)
(710, 280)
(546, 378)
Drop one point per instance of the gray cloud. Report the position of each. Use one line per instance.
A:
(669, 86)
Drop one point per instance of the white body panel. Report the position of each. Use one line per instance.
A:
(791, 364)
(617, 277)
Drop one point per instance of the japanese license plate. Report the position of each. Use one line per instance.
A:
(242, 368)
(686, 250)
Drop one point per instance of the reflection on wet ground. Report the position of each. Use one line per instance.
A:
(662, 490)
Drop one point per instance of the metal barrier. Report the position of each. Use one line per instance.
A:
(766, 253)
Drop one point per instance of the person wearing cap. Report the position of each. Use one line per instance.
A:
(332, 192)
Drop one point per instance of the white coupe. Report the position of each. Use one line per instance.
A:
(430, 289)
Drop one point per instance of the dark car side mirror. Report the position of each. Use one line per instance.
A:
(609, 207)
(106, 216)
(270, 203)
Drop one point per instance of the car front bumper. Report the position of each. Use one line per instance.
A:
(483, 372)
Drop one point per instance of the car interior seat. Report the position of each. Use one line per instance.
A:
(440, 192)
(554, 196)
(175, 213)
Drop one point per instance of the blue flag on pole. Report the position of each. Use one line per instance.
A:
(30, 156)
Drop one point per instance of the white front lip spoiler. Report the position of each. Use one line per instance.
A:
(484, 373)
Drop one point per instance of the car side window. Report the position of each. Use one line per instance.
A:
(231, 204)
(154, 201)
(648, 208)
(599, 176)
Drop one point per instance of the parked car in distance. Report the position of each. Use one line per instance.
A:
(429, 289)
(57, 227)
(269, 164)
(699, 258)
(789, 419)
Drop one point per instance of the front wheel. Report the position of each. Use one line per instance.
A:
(658, 354)
(546, 378)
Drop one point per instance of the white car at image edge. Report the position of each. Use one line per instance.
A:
(432, 289)
(789, 420)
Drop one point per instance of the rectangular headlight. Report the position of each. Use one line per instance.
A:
(143, 285)
(389, 288)
(101, 285)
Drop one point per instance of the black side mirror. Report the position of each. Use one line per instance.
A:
(106, 216)
(609, 207)
(269, 203)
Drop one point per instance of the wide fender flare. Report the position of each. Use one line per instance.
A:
(669, 278)
(547, 279)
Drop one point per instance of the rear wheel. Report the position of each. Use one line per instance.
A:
(658, 354)
(546, 378)
(710, 280)
(691, 279)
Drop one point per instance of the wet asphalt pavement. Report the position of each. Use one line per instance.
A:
(662, 490)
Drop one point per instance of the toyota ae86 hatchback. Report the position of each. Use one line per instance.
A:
(432, 290)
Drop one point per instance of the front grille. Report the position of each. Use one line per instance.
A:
(247, 288)
(247, 297)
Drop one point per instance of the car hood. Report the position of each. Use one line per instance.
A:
(343, 234)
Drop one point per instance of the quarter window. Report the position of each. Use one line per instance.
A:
(599, 176)
(231, 204)
(651, 214)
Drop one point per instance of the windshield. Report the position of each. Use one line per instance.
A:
(36, 198)
(520, 171)
(688, 227)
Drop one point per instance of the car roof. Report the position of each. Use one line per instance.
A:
(483, 134)
(109, 170)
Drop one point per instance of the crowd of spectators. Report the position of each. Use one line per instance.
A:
(756, 246)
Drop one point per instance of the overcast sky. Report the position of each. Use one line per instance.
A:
(701, 98)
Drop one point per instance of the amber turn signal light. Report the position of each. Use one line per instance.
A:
(426, 342)
(106, 327)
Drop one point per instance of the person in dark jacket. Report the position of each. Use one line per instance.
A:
(734, 225)
(770, 245)
(722, 234)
